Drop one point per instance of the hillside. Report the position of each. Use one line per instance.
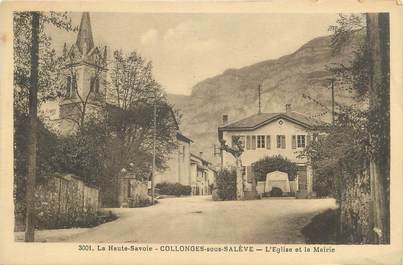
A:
(282, 80)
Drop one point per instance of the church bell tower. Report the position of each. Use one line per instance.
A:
(85, 72)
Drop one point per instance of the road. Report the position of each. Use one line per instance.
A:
(198, 219)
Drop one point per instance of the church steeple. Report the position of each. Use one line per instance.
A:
(85, 41)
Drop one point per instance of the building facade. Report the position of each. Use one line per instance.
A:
(85, 73)
(178, 165)
(271, 134)
(202, 175)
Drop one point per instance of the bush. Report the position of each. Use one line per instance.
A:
(226, 184)
(175, 189)
(274, 163)
(140, 201)
(276, 192)
(215, 195)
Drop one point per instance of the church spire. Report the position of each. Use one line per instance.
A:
(85, 41)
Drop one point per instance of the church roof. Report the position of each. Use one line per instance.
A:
(84, 37)
(257, 120)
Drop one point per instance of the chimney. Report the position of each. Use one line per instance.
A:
(201, 154)
(224, 119)
(287, 108)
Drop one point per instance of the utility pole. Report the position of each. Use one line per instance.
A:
(154, 139)
(33, 132)
(260, 105)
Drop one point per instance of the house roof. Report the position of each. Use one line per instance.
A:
(84, 36)
(199, 158)
(181, 137)
(257, 120)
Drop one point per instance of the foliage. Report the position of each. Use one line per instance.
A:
(176, 189)
(236, 149)
(345, 28)
(215, 196)
(84, 153)
(49, 63)
(47, 152)
(340, 148)
(342, 154)
(140, 201)
(269, 164)
(130, 118)
(226, 184)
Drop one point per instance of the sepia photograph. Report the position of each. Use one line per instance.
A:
(201, 132)
(201, 128)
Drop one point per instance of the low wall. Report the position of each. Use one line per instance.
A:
(64, 201)
(133, 193)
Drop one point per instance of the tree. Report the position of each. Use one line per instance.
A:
(29, 81)
(236, 151)
(130, 117)
(379, 129)
(358, 141)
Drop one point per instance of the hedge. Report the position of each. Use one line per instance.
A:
(176, 189)
(273, 163)
(226, 184)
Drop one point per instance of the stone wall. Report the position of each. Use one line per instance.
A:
(63, 201)
(133, 193)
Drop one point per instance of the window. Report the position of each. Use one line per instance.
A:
(300, 141)
(281, 141)
(261, 141)
(73, 93)
(268, 142)
(248, 145)
(253, 142)
(68, 88)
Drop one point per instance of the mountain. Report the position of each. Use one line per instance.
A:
(283, 80)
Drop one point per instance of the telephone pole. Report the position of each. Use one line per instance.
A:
(33, 132)
(259, 95)
(154, 144)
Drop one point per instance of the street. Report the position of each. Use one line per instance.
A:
(198, 219)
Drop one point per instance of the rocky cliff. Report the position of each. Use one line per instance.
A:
(283, 80)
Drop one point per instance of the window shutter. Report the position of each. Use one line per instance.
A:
(249, 174)
(308, 139)
(294, 141)
(283, 141)
(248, 142)
(253, 142)
(268, 142)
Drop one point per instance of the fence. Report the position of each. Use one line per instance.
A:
(64, 201)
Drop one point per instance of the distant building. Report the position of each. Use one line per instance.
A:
(202, 176)
(270, 134)
(178, 165)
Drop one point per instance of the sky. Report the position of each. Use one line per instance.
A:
(188, 48)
